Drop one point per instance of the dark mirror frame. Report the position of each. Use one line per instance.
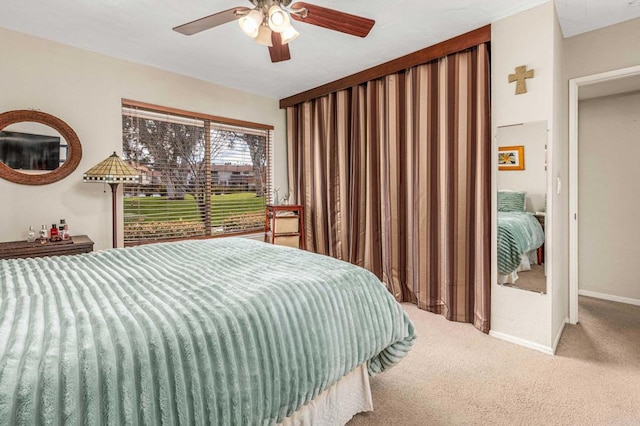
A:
(74, 153)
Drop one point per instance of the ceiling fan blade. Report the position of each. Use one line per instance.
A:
(279, 52)
(211, 21)
(332, 19)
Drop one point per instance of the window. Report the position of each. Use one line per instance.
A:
(200, 175)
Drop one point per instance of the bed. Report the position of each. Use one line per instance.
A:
(225, 331)
(519, 235)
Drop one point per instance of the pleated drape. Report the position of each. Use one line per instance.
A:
(395, 177)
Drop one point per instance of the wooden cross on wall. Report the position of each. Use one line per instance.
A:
(520, 77)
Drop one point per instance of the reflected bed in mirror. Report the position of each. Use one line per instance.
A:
(36, 148)
(521, 209)
(520, 240)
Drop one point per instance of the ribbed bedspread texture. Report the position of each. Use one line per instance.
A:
(218, 332)
(518, 233)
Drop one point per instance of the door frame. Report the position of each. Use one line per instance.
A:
(574, 87)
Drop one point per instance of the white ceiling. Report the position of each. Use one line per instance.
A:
(580, 16)
(140, 31)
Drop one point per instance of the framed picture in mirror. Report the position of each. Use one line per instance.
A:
(511, 157)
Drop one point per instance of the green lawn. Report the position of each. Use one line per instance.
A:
(159, 209)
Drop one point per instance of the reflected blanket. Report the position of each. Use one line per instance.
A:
(518, 233)
(226, 332)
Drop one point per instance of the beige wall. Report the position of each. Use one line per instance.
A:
(609, 189)
(533, 38)
(85, 90)
(524, 39)
(606, 49)
(558, 232)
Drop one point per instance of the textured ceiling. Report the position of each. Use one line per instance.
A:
(140, 31)
(580, 16)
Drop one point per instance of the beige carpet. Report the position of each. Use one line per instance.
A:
(456, 375)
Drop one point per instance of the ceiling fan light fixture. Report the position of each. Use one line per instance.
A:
(251, 23)
(289, 34)
(269, 23)
(264, 36)
(278, 19)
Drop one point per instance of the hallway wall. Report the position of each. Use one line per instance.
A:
(609, 184)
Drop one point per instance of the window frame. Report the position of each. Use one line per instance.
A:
(128, 103)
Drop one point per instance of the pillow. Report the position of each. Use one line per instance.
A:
(511, 201)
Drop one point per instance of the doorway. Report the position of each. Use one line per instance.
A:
(599, 82)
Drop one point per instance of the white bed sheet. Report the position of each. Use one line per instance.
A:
(527, 259)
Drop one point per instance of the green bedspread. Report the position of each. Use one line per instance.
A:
(221, 332)
(518, 233)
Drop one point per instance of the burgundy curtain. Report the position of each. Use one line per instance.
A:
(395, 177)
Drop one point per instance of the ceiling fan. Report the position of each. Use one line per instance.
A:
(269, 23)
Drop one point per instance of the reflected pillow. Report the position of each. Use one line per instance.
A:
(511, 201)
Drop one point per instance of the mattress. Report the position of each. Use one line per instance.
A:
(226, 331)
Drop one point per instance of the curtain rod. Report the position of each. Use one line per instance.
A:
(447, 47)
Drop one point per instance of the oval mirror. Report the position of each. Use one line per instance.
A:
(36, 148)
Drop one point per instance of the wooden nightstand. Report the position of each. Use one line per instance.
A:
(541, 217)
(22, 249)
(284, 225)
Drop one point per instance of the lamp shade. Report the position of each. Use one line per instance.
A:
(250, 23)
(289, 34)
(264, 36)
(278, 19)
(112, 170)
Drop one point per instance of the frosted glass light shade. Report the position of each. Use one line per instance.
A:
(264, 36)
(250, 24)
(278, 19)
(289, 34)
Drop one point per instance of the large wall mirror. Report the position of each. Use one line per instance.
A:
(522, 195)
(36, 148)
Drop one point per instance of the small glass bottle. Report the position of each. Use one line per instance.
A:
(31, 235)
(44, 232)
(53, 233)
(64, 229)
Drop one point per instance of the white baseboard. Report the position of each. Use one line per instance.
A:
(611, 297)
(522, 342)
(559, 335)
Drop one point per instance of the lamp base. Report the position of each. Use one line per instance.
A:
(114, 222)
